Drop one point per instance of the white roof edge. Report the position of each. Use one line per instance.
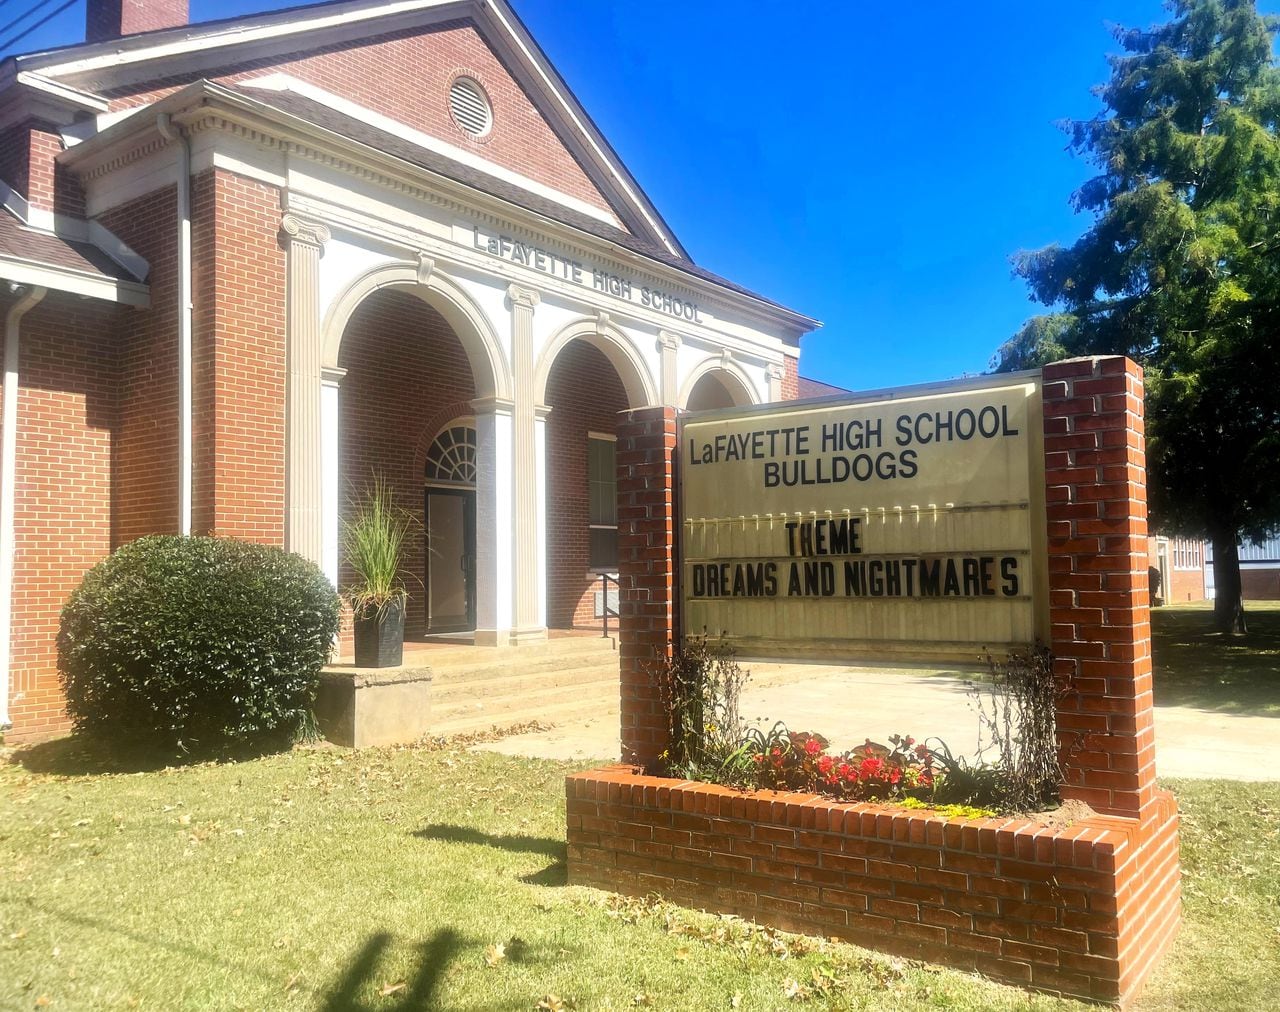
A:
(299, 20)
(74, 282)
(284, 82)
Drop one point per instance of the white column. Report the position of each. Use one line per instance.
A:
(669, 348)
(527, 475)
(303, 354)
(540, 455)
(8, 486)
(331, 470)
(776, 372)
(495, 576)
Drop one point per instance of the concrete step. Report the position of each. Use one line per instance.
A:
(492, 684)
(601, 701)
(455, 664)
(588, 694)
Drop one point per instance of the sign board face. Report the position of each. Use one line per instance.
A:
(906, 524)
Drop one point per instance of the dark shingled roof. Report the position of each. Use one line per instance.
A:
(17, 240)
(357, 130)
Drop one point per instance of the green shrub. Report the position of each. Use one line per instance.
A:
(196, 643)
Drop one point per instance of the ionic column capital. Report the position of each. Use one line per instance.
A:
(527, 298)
(668, 340)
(299, 230)
(776, 372)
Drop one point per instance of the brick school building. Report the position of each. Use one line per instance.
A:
(248, 264)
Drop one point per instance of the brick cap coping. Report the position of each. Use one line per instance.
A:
(1100, 842)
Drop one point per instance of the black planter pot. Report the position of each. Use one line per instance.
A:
(380, 637)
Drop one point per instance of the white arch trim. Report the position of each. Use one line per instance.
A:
(641, 389)
(733, 376)
(489, 368)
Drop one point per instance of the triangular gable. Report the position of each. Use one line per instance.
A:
(399, 60)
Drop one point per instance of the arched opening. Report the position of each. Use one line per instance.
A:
(449, 518)
(717, 387)
(585, 393)
(407, 387)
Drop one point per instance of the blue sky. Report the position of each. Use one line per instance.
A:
(870, 164)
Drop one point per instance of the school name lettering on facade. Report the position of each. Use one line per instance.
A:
(901, 522)
(538, 258)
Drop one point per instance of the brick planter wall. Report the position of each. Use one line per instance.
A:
(1083, 911)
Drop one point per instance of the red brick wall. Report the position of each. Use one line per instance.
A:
(67, 414)
(110, 19)
(1187, 585)
(649, 613)
(1096, 498)
(146, 453)
(406, 76)
(27, 153)
(791, 378)
(1083, 911)
(238, 292)
(407, 376)
(15, 158)
(585, 395)
(1260, 584)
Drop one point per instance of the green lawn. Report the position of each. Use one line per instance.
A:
(1195, 666)
(434, 878)
(321, 878)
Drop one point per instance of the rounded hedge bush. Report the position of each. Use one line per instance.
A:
(196, 643)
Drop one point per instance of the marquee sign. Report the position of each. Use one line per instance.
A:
(908, 523)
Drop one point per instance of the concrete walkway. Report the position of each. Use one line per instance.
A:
(849, 704)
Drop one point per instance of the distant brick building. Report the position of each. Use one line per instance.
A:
(1182, 565)
(252, 262)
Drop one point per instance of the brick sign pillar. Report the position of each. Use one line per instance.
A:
(1095, 480)
(647, 527)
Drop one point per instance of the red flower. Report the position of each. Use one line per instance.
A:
(812, 747)
(871, 769)
(825, 764)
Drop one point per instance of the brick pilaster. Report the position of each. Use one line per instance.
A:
(1095, 482)
(647, 527)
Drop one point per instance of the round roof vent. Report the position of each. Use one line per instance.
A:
(470, 107)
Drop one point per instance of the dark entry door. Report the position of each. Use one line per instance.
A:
(451, 559)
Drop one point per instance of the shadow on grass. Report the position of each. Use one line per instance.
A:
(554, 874)
(1198, 667)
(84, 755)
(435, 954)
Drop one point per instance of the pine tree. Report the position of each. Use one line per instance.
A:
(1180, 268)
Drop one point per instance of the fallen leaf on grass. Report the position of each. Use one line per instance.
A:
(735, 1001)
(389, 989)
(641, 999)
(552, 1003)
(794, 990)
(495, 954)
(293, 981)
(44, 1001)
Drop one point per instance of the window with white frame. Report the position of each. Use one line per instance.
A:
(602, 498)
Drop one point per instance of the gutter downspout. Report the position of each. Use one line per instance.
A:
(170, 132)
(8, 477)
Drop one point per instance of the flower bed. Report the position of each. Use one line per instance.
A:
(1083, 910)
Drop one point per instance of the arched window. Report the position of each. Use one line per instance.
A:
(452, 457)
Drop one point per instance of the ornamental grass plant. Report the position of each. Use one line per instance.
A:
(1016, 768)
(374, 535)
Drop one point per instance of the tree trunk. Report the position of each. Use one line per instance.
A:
(1228, 603)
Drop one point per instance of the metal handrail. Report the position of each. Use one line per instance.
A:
(605, 610)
